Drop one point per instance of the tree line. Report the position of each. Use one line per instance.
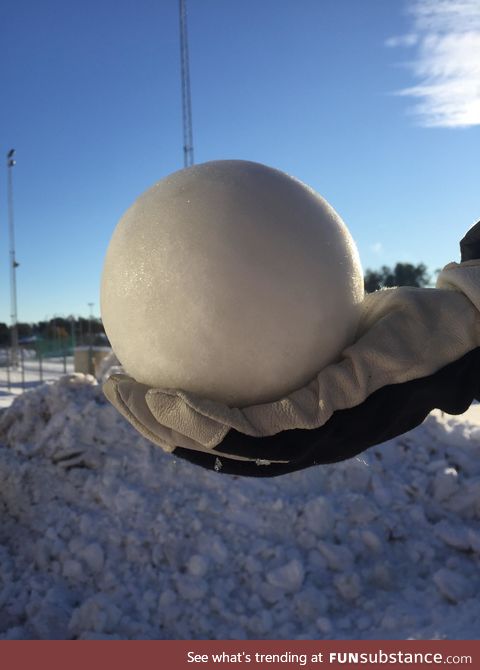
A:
(403, 274)
(58, 328)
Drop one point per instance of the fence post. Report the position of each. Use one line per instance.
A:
(40, 369)
(22, 361)
(9, 386)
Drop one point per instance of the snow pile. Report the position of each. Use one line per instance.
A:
(103, 535)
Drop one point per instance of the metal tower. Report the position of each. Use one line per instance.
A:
(13, 262)
(186, 97)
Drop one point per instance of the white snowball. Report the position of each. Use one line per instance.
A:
(232, 280)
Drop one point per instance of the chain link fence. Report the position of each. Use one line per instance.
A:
(41, 361)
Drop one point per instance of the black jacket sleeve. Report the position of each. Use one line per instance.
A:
(470, 244)
(390, 411)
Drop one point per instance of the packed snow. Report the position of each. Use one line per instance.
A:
(105, 536)
(252, 261)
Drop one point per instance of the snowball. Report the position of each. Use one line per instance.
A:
(231, 280)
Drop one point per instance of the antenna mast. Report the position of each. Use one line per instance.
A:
(186, 97)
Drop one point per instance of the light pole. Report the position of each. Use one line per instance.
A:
(13, 262)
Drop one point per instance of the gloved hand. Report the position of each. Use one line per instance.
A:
(416, 349)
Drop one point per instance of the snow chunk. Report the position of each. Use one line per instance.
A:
(319, 516)
(474, 539)
(371, 540)
(348, 585)
(452, 585)
(197, 565)
(191, 588)
(361, 510)
(288, 577)
(455, 536)
(93, 556)
(445, 484)
(72, 569)
(324, 625)
(97, 614)
(338, 557)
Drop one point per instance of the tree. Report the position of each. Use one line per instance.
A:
(24, 330)
(403, 274)
(4, 335)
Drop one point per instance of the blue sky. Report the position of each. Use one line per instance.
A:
(375, 104)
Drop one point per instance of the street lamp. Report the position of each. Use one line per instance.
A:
(13, 262)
